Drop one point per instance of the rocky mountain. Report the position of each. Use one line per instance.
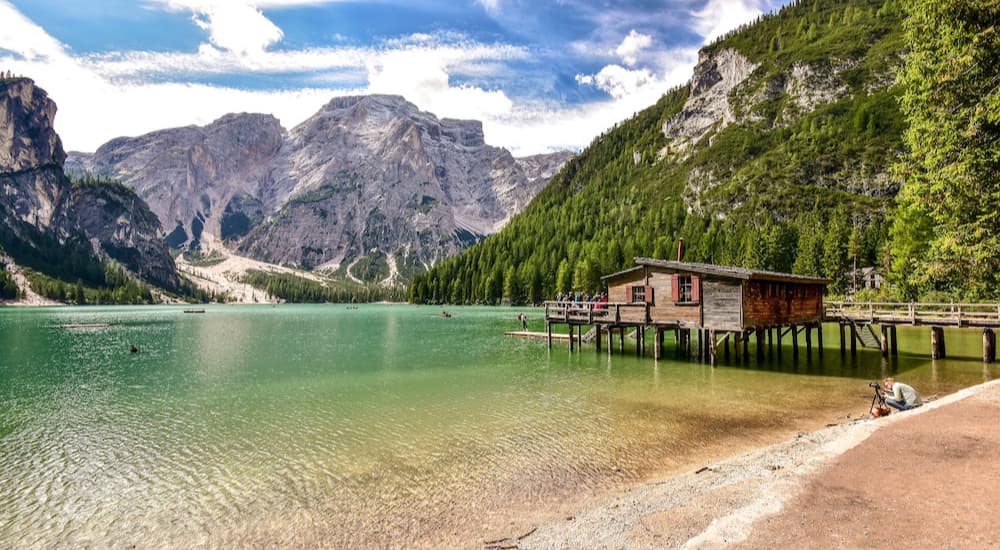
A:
(45, 220)
(369, 186)
(776, 155)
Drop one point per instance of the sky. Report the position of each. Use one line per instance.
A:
(541, 75)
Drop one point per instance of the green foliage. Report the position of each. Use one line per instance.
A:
(119, 288)
(198, 258)
(371, 268)
(293, 288)
(946, 234)
(775, 190)
(104, 184)
(8, 288)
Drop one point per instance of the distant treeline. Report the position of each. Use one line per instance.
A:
(295, 289)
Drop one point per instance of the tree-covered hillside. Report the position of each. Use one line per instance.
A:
(946, 233)
(797, 181)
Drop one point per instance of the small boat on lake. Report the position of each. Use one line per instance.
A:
(194, 311)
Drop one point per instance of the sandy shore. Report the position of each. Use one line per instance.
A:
(775, 495)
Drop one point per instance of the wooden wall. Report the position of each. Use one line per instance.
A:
(721, 301)
(663, 309)
(619, 290)
(769, 304)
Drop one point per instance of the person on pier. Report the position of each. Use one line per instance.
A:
(901, 396)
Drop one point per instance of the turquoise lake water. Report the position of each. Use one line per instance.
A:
(384, 426)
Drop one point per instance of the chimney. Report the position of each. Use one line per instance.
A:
(680, 250)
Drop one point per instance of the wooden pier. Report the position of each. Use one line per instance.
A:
(859, 319)
(717, 310)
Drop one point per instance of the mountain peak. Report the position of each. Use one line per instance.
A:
(27, 137)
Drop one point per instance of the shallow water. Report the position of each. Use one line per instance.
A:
(382, 426)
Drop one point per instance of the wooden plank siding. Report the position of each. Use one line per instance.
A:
(721, 298)
(722, 302)
(620, 290)
(768, 304)
(664, 310)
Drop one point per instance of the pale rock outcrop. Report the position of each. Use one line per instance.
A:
(708, 108)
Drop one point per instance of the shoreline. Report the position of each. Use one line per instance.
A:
(720, 503)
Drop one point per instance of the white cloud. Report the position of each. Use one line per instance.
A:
(239, 28)
(130, 93)
(633, 44)
(491, 6)
(721, 16)
(103, 97)
(618, 81)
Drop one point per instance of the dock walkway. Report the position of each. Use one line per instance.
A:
(856, 320)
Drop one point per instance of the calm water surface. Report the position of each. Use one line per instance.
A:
(382, 426)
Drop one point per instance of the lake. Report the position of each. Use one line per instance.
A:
(387, 425)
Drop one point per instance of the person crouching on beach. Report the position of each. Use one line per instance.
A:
(901, 396)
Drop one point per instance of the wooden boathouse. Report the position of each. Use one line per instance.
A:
(712, 303)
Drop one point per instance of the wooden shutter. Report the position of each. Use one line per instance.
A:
(695, 289)
(675, 288)
(649, 294)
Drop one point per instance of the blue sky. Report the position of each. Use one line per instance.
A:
(541, 75)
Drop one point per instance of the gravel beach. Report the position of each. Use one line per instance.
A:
(831, 488)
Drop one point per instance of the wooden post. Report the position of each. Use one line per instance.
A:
(937, 343)
(759, 333)
(843, 341)
(737, 344)
(746, 346)
(726, 343)
(854, 341)
(572, 336)
(989, 346)
(795, 341)
(779, 341)
(548, 328)
(611, 340)
(892, 340)
(621, 338)
(884, 333)
(657, 343)
(809, 340)
(677, 340)
(819, 338)
(713, 352)
(597, 338)
(770, 342)
(701, 344)
(642, 340)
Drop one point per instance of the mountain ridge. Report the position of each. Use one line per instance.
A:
(367, 178)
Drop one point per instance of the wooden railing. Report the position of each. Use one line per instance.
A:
(952, 314)
(596, 312)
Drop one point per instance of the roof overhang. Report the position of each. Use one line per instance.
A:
(721, 271)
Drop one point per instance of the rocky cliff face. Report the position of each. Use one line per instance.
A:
(708, 109)
(367, 178)
(38, 200)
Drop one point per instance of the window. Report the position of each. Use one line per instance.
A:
(638, 294)
(684, 289)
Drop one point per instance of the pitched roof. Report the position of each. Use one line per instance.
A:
(727, 272)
